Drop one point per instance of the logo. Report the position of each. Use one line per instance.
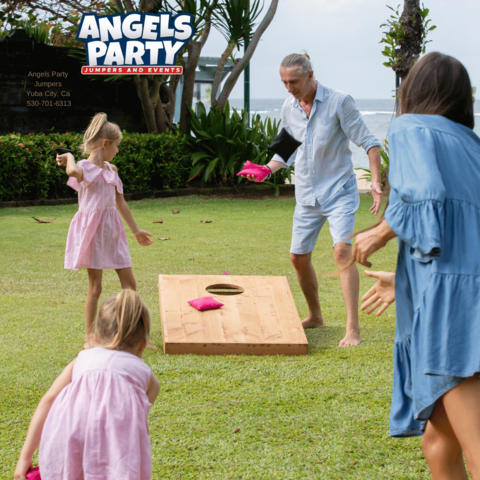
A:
(136, 43)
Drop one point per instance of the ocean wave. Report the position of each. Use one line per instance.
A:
(376, 113)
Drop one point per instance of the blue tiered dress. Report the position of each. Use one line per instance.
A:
(435, 211)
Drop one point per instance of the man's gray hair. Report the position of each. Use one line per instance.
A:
(295, 60)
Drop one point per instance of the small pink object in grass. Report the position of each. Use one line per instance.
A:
(225, 273)
(260, 172)
(34, 474)
(205, 303)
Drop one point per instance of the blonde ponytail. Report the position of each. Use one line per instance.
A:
(123, 321)
(98, 130)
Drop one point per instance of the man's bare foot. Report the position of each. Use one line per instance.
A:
(351, 339)
(313, 322)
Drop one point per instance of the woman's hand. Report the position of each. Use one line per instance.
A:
(383, 292)
(369, 242)
(142, 238)
(23, 466)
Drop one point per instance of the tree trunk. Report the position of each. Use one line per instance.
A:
(194, 49)
(168, 98)
(161, 118)
(219, 72)
(148, 111)
(242, 63)
(411, 46)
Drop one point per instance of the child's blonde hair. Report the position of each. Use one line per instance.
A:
(123, 321)
(98, 131)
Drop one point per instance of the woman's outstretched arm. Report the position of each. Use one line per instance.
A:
(382, 294)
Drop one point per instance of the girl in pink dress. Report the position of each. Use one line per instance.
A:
(93, 421)
(96, 238)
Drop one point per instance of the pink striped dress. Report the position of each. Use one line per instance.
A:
(97, 427)
(96, 238)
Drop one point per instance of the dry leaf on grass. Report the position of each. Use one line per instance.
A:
(175, 211)
(236, 430)
(158, 221)
(205, 221)
(168, 238)
(44, 221)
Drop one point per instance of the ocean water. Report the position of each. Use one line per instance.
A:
(377, 115)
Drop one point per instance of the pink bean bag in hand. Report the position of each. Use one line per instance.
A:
(258, 171)
(205, 303)
(34, 474)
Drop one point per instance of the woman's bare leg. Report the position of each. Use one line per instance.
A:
(462, 404)
(91, 304)
(127, 280)
(441, 447)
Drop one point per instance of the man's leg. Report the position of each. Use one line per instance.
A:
(350, 284)
(307, 223)
(307, 278)
(341, 211)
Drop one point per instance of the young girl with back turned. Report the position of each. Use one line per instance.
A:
(93, 421)
(96, 238)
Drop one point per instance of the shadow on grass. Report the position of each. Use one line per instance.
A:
(322, 338)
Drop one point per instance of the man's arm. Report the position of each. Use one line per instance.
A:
(375, 169)
(354, 127)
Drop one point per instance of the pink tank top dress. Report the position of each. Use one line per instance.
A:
(97, 428)
(96, 237)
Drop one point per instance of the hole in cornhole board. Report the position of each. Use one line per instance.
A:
(224, 289)
(259, 316)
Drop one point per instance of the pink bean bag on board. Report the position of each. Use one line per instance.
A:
(34, 474)
(205, 303)
(259, 171)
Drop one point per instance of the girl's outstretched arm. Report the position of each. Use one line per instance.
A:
(36, 424)
(140, 235)
(68, 160)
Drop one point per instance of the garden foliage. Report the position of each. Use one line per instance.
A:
(222, 141)
(28, 170)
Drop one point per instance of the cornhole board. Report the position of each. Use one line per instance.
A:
(262, 320)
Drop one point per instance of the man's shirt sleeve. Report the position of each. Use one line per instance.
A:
(354, 126)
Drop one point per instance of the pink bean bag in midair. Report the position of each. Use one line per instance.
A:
(34, 474)
(260, 172)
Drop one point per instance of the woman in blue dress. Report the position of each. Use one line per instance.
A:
(434, 210)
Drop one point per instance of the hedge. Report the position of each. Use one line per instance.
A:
(28, 170)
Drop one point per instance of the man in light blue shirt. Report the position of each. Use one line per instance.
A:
(324, 120)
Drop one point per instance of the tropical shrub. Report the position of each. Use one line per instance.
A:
(223, 141)
(28, 170)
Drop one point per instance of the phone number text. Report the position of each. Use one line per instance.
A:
(49, 103)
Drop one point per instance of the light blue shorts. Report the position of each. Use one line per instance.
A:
(340, 211)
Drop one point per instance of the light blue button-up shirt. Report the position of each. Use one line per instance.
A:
(323, 162)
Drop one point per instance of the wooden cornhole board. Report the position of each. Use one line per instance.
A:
(262, 320)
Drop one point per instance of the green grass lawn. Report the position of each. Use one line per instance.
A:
(319, 416)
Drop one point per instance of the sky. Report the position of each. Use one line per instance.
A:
(342, 38)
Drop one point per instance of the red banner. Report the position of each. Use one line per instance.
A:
(132, 70)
